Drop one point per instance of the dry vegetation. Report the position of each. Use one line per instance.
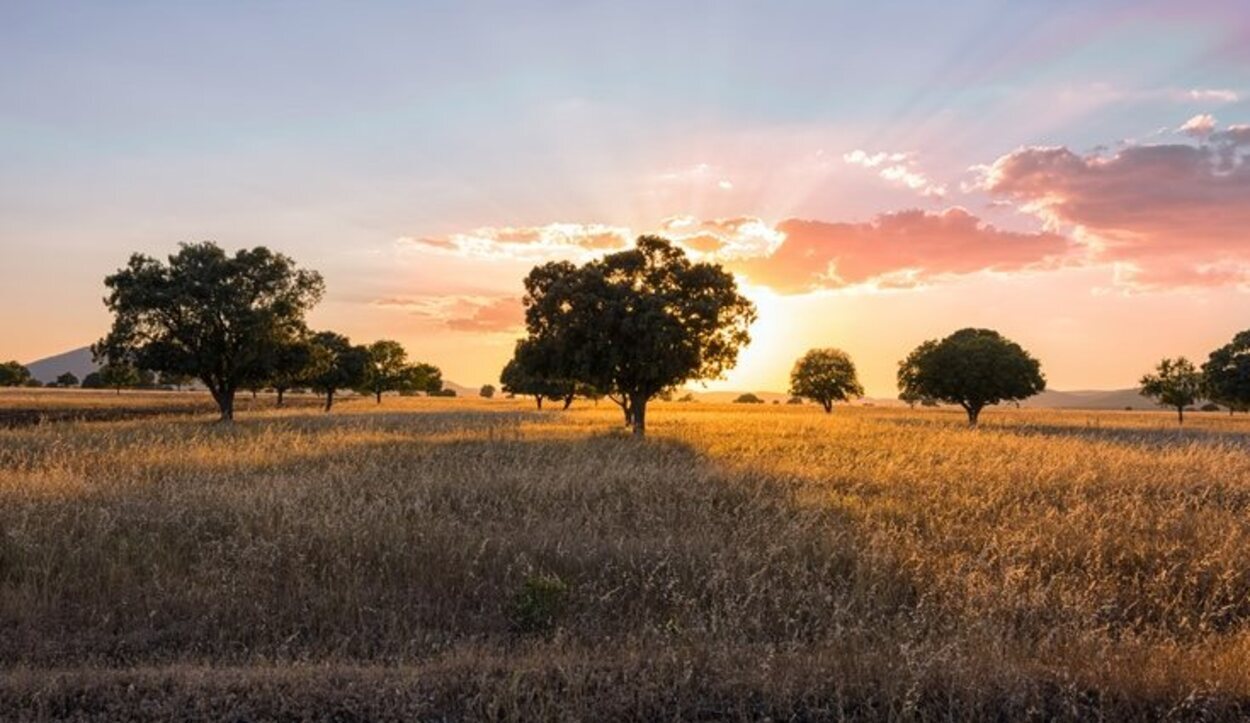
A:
(470, 560)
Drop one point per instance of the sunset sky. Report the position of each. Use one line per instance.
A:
(1073, 174)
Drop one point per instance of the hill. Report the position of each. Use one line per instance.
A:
(77, 361)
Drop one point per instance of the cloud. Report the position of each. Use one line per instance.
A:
(462, 312)
(723, 238)
(896, 250)
(1213, 95)
(1171, 215)
(1200, 126)
(528, 242)
(898, 168)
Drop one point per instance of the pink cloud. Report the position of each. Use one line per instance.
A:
(896, 250)
(462, 312)
(553, 239)
(1172, 215)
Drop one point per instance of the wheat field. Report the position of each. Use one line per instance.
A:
(473, 560)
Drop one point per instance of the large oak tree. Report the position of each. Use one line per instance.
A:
(207, 314)
(637, 322)
(973, 368)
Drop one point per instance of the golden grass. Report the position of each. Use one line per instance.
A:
(743, 562)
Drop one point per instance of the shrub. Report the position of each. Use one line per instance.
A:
(539, 603)
(748, 398)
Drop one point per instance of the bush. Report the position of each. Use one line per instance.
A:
(1210, 407)
(443, 393)
(748, 398)
(794, 400)
(539, 603)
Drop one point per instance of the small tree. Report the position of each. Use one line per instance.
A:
(174, 379)
(529, 372)
(748, 398)
(421, 377)
(972, 368)
(289, 366)
(119, 376)
(487, 391)
(384, 371)
(1174, 383)
(14, 374)
(207, 314)
(66, 380)
(335, 364)
(825, 376)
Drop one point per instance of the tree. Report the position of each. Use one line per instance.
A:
(118, 375)
(1174, 383)
(207, 314)
(449, 393)
(335, 364)
(1226, 374)
(972, 368)
(532, 371)
(384, 371)
(66, 380)
(174, 379)
(487, 391)
(748, 398)
(636, 323)
(14, 374)
(289, 366)
(825, 376)
(93, 381)
(422, 377)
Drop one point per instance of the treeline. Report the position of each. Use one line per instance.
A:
(237, 323)
(631, 326)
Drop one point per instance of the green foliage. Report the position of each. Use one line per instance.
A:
(748, 398)
(825, 376)
(794, 400)
(1175, 383)
(422, 378)
(208, 315)
(14, 374)
(66, 380)
(174, 379)
(972, 368)
(335, 364)
(487, 391)
(119, 375)
(534, 370)
(1226, 373)
(385, 365)
(636, 323)
(450, 393)
(539, 603)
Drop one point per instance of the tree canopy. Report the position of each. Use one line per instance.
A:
(533, 371)
(825, 376)
(66, 380)
(386, 364)
(636, 322)
(1226, 373)
(1174, 383)
(207, 314)
(973, 368)
(14, 374)
(335, 364)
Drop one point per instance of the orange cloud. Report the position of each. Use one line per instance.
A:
(462, 312)
(895, 250)
(1169, 215)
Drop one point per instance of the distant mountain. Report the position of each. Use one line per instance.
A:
(1089, 399)
(78, 362)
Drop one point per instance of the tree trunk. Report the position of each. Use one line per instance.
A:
(568, 401)
(329, 399)
(280, 391)
(638, 415)
(974, 412)
(828, 405)
(1180, 414)
(379, 395)
(225, 404)
(253, 395)
(538, 399)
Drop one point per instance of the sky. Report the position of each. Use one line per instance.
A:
(1073, 174)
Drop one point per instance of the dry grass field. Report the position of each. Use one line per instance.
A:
(472, 560)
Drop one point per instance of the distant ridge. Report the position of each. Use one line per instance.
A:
(78, 362)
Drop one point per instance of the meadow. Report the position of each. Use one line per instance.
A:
(478, 560)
